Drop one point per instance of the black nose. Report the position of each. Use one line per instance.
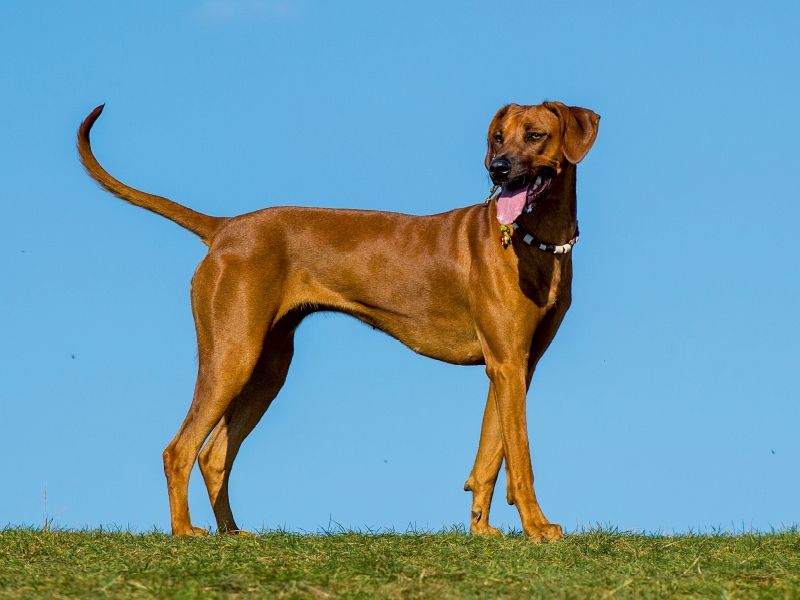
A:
(499, 169)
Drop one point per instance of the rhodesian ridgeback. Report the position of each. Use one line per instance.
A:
(488, 284)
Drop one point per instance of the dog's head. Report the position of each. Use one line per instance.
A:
(529, 145)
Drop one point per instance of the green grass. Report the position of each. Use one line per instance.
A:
(595, 564)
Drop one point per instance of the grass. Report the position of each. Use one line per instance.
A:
(597, 564)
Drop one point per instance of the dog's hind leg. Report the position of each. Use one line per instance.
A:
(220, 380)
(232, 319)
(244, 413)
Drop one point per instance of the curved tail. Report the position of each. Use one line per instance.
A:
(198, 223)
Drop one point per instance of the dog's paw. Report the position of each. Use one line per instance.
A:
(190, 530)
(544, 533)
(486, 529)
(241, 532)
(232, 530)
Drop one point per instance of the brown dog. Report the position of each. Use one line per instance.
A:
(444, 285)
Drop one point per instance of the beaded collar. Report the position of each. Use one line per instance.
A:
(532, 240)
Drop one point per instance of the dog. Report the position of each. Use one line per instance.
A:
(488, 284)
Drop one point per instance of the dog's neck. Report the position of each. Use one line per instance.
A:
(554, 220)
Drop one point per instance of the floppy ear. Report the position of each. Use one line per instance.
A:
(578, 129)
(492, 126)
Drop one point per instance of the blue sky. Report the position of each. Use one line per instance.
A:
(669, 398)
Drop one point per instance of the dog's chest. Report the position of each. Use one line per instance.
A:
(546, 282)
(555, 290)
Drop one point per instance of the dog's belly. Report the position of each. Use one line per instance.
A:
(453, 340)
(437, 327)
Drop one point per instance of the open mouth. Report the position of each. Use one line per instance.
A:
(520, 196)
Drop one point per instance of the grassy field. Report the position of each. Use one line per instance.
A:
(595, 564)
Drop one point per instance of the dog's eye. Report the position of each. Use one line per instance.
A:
(535, 135)
(498, 138)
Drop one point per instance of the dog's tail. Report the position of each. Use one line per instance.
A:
(198, 223)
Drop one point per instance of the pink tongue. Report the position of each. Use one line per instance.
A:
(510, 205)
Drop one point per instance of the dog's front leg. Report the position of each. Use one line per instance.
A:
(509, 383)
(482, 479)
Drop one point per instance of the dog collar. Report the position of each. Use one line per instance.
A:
(535, 242)
(527, 237)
